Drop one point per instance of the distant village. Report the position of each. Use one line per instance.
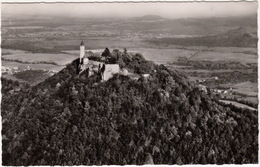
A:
(222, 92)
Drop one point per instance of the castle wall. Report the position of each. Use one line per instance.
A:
(85, 60)
(110, 70)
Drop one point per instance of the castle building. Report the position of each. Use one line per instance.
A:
(106, 71)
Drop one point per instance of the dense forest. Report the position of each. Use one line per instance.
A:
(72, 119)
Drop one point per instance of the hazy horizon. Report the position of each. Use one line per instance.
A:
(124, 10)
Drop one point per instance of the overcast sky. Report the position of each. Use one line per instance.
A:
(167, 10)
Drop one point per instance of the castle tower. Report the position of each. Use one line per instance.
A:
(82, 51)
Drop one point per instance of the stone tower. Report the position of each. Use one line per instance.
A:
(82, 51)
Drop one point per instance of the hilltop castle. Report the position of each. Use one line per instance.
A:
(106, 71)
(83, 58)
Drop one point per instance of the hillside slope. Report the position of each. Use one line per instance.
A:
(163, 119)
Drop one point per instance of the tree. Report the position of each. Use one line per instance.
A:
(106, 53)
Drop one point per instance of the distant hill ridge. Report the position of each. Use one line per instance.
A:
(238, 37)
(148, 18)
(240, 31)
(71, 119)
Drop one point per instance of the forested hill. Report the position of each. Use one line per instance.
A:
(162, 119)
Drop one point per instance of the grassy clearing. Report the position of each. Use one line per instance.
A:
(247, 88)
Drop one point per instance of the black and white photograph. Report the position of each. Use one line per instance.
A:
(129, 83)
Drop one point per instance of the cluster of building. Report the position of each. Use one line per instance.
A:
(221, 92)
(207, 79)
(224, 91)
(106, 71)
(9, 70)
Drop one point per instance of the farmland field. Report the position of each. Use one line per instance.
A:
(247, 88)
(226, 56)
(60, 59)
